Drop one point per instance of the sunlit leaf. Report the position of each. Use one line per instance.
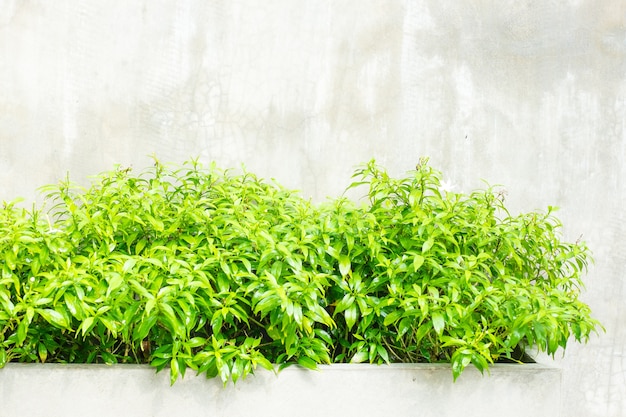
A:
(344, 265)
(307, 362)
(351, 314)
(428, 243)
(53, 317)
(438, 322)
(418, 261)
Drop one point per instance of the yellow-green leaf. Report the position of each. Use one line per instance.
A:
(86, 325)
(344, 265)
(307, 362)
(427, 245)
(418, 261)
(351, 314)
(438, 323)
(54, 317)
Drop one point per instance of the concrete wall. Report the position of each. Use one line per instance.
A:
(337, 390)
(531, 95)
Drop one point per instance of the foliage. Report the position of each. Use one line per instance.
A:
(222, 272)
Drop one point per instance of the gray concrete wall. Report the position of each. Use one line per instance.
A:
(531, 95)
(338, 390)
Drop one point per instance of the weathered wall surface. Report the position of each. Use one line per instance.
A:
(527, 94)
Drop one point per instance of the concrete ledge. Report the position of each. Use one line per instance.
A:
(335, 390)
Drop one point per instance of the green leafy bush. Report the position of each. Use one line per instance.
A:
(221, 272)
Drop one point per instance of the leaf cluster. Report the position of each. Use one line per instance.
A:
(222, 272)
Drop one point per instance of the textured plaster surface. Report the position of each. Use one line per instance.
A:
(527, 94)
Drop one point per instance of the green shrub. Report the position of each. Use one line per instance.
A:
(222, 272)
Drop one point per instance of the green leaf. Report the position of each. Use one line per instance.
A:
(145, 326)
(195, 342)
(324, 335)
(351, 315)
(540, 333)
(155, 223)
(140, 289)
(72, 305)
(382, 352)
(392, 317)
(344, 265)
(42, 352)
(480, 362)
(347, 301)
(404, 326)
(22, 328)
(259, 359)
(318, 314)
(422, 331)
(360, 357)
(307, 363)
(553, 343)
(427, 245)
(141, 244)
(170, 317)
(10, 260)
(43, 301)
(7, 304)
(418, 261)
(268, 302)
(460, 360)
(174, 370)
(237, 370)
(54, 317)
(86, 325)
(438, 322)
(128, 265)
(111, 325)
(30, 314)
(515, 336)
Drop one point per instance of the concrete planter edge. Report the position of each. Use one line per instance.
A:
(341, 389)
